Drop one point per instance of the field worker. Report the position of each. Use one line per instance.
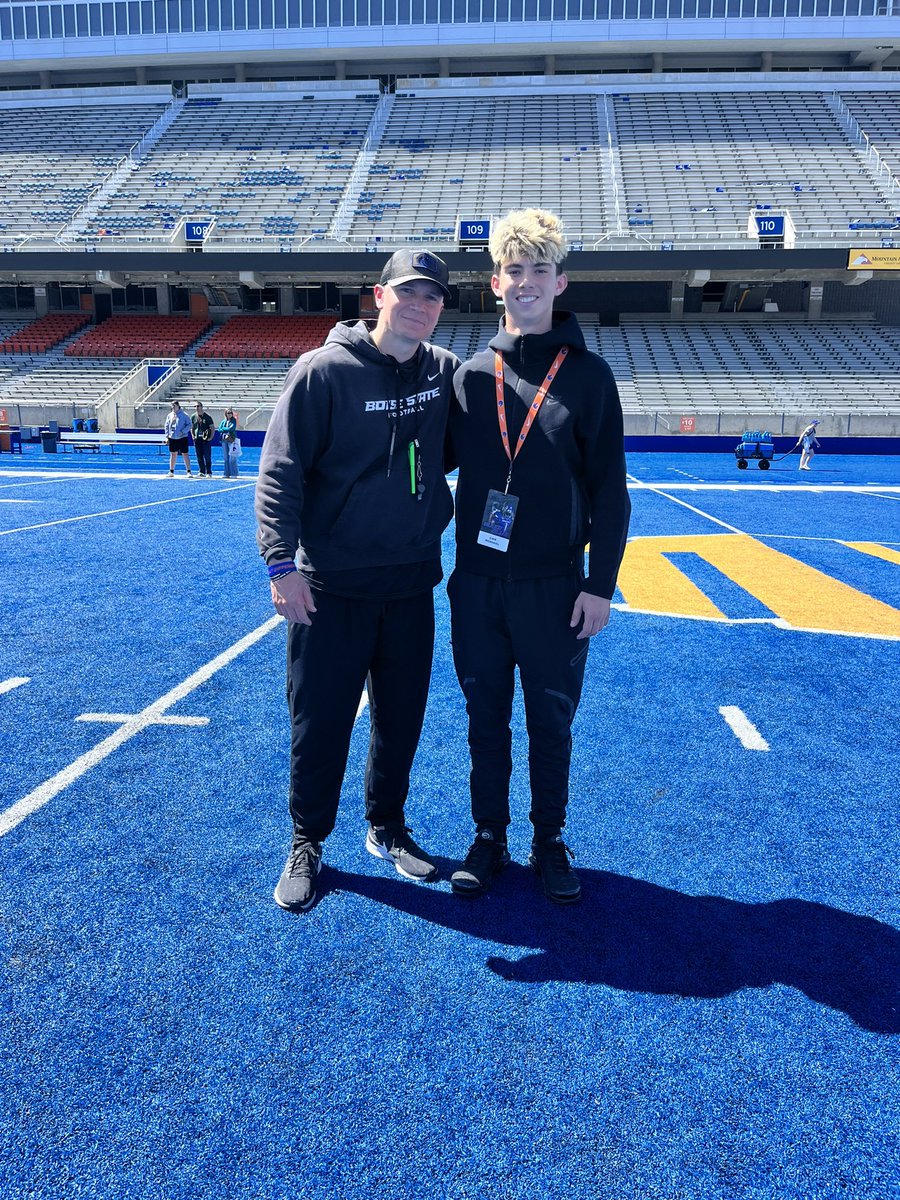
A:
(352, 474)
(537, 432)
(809, 443)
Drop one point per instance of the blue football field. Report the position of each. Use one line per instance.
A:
(719, 1019)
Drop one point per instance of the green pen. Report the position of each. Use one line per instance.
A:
(412, 466)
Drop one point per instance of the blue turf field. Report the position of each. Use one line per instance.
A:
(718, 1019)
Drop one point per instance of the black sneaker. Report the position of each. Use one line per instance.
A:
(487, 857)
(392, 842)
(296, 889)
(550, 858)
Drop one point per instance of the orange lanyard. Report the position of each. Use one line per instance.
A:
(532, 412)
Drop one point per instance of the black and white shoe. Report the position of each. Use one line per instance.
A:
(550, 858)
(394, 844)
(487, 857)
(296, 889)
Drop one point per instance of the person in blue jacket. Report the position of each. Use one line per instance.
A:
(351, 504)
(536, 431)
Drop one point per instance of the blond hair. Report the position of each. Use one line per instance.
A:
(532, 233)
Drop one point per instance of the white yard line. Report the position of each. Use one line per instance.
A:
(862, 489)
(9, 685)
(743, 728)
(699, 511)
(363, 705)
(110, 512)
(134, 723)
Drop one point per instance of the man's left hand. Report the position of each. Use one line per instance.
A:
(593, 611)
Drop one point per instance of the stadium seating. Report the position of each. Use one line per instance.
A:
(308, 162)
(716, 367)
(445, 156)
(139, 337)
(266, 337)
(55, 154)
(38, 336)
(56, 389)
(699, 162)
(249, 387)
(265, 165)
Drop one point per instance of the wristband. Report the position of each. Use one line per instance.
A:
(280, 571)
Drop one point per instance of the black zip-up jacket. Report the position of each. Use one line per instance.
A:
(570, 473)
(334, 475)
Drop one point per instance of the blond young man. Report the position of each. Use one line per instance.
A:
(352, 476)
(536, 430)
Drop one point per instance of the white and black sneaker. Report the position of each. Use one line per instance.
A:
(296, 889)
(487, 857)
(393, 843)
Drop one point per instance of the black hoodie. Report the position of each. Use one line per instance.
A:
(334, 475)
(570, 473)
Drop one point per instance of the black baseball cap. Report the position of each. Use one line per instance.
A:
(407, 265)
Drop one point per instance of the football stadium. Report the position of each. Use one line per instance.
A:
(196, 192)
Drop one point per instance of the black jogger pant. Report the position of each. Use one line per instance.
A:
(203, 450)
(499, 625)
(386, 646)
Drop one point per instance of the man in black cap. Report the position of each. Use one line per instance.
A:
(351, 504)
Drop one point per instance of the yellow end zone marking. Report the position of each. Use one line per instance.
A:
(888, 553)
(800, 595)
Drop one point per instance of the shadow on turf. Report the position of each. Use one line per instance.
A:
(639, 937)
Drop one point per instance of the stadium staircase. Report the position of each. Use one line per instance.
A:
(351, 200)
(84, 218)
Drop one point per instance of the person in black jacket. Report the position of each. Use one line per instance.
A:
(536, 431)
(352, 475)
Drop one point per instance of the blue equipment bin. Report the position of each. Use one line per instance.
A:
(755, 445)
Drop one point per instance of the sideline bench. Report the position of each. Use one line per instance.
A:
(96, 441)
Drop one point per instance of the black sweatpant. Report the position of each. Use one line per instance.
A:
(203, 450)
(386, 646)
(499, 625)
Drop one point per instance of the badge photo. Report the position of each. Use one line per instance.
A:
(497, 520)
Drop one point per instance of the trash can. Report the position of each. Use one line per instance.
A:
(48, 441)
(92, 425)
(77, 425)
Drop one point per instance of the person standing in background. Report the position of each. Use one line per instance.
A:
(203, 431)
(228, 434)
(178, 428)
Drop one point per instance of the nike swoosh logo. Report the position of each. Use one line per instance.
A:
(431, 378)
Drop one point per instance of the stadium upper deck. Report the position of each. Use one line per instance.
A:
(146, 41)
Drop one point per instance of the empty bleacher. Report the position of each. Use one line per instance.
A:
(445, 156)
(41, 335)
(698, 162)
(249, 387)
(57, 389)
(133, 336)
(54, 154)
(266, 337)
(723, 368)
(300, 164)
(878, 114)
(266, 165)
